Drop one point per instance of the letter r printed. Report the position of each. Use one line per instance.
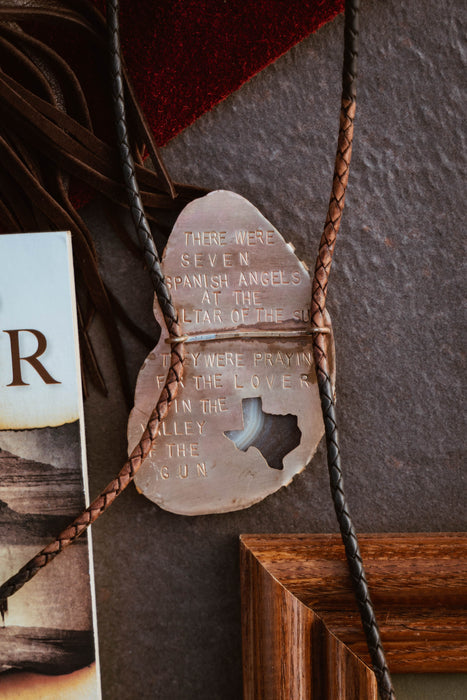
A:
(32, 359)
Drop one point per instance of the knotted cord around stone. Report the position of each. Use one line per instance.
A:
(318, 306)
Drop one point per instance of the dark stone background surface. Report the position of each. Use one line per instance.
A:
(167, 586)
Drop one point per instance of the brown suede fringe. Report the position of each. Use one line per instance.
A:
(48, 138)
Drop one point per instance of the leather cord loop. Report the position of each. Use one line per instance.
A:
(49, 135)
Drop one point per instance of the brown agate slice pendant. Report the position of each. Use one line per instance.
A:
(247, 417)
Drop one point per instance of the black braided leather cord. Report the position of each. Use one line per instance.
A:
(136, 206)
(349, 538)
(319, 293)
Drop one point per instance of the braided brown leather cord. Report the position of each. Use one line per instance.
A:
(319, 293)
(110, 493)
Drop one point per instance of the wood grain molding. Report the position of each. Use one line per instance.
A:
(302, 636)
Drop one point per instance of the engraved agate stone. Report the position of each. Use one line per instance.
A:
(247, 417)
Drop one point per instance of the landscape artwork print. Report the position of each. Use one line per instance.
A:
(48, 643)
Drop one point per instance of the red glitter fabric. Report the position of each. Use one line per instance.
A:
(184, 56)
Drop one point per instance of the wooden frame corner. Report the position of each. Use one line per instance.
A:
(302, 635)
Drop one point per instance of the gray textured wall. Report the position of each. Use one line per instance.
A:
(167, 586)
